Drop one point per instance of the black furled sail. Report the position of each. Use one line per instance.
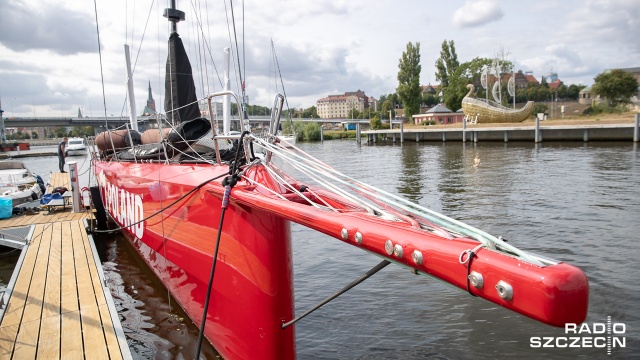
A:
(180, 90)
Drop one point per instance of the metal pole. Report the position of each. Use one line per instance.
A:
(636, 129)
(401, 132)
(226, 99)
(537, 134)
(75, 189)
(364, 277)
(133, 119)
(358, 136)
(464, 131)
(3, 135)
(321, 133)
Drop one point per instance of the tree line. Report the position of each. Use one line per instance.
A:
(56, 132)
(616, 86)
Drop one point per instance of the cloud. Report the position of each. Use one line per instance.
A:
(614, 22)
(46, 27)
(477, 13)
(305, 74)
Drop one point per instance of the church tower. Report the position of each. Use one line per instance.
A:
(150, 109)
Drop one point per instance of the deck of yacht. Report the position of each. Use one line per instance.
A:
(57, 305)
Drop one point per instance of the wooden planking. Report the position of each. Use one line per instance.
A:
(52, 287)
(93, 270)
(58, 309)
(71, 344)
(15, 308)
(92, 330)
(109, 332)
(49, 340)
(43, 217)
(7, 340)
(27, 339)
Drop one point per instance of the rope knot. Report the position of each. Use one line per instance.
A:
(470, 253)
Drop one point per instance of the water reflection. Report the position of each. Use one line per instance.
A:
(412, 177)
(155, 325)
(451, 185)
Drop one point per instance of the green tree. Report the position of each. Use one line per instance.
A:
(544, 82)
(353, 114)
(312, 131)
(447, 64)
(409, 90)
(563, 91)
(311, 112)
(466, 73)
(298, 127)
(386, 106)
(616, 86)
(539, 108)
(574, 91)
(375, 122)
(60, 132)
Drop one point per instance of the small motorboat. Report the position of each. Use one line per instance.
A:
(76, 146)
(18, 183)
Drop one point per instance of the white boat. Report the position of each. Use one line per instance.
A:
(18, 183)
(76, 146)
(287, 140)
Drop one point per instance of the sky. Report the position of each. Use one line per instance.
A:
(50, 64)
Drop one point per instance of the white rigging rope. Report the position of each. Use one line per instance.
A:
(324, 175)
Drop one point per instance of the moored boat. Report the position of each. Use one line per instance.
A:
(76, 146)
(213, 223)
(18, 183)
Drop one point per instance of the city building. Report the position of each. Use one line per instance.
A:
(340, 106)
(530, 78)
(429, 89)
(216, 107)
(440, 115)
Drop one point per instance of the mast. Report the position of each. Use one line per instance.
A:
(181, 102)
(226, 99)
(133, 119)
(174, 15)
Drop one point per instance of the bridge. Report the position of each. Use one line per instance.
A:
(117, 121)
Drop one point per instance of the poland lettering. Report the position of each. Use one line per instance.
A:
(126, 208)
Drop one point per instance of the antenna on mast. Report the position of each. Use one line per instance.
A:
(174, 15)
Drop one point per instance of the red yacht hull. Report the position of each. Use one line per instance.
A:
(252, 290)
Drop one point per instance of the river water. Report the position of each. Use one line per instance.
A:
(575, 202)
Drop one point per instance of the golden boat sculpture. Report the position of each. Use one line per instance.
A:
(488, 111)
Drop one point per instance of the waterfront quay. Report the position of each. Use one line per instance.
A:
(57, 304)
(536, 132)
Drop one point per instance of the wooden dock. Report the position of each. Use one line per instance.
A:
(478, 133)
(57, 305)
